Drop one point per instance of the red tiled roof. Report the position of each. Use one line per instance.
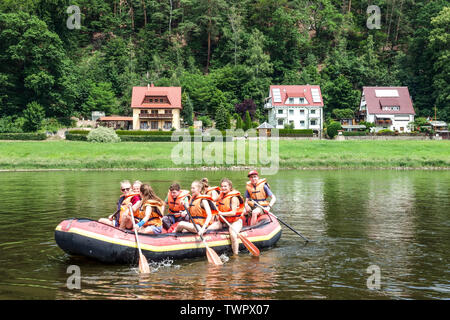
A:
(173, 94)
(291, 91)
(375, 104)
(115, 118)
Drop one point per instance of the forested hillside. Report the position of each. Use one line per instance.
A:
(224, 54)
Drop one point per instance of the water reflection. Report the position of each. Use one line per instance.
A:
(396, 220)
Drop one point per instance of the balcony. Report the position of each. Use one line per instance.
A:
(156, 116)
(383, 122)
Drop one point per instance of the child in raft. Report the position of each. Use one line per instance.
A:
(148, 212)
(230, 205)
(213, 192)
(202, 210)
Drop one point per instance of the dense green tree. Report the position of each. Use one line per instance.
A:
(440, 45)
(33, 115)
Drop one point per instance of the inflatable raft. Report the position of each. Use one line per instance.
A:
(108, 244)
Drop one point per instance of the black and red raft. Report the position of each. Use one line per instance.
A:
(93, 239)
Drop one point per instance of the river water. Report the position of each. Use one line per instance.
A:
(394, 222)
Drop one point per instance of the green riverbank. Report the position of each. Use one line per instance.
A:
(318, 154)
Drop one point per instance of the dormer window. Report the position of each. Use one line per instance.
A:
(291, 100)
(391, 108)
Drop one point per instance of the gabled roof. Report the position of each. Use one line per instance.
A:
(265, 125)
(296, 91)
(378, 97)
(173, 94)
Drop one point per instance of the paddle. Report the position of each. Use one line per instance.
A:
(267, 211)
(247, 243)
(143, 264)
(211, 255)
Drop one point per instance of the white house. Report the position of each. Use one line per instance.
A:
(300, 105)
(387, 107)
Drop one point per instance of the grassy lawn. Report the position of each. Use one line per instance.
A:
(292, 154)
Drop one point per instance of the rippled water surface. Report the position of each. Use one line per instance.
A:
(398, 221)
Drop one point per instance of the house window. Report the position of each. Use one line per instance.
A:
(161, 100)
(280, 111)
(302, 111)
(280, 122)
(154, 124)
(313, 111)
(168, 125)
(144, 111)
(144, 125)
(154, 111)
(168, 111)
(291, 112)
(291, 100)
(302, 100)
(313, 122)
(302, 123)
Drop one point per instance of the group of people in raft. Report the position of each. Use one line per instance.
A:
(208, 206)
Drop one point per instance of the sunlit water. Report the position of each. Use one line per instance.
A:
(396, 220)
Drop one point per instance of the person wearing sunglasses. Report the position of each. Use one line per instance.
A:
(125, 198)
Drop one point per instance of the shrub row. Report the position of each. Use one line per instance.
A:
(76, 137)
(354, 133)
(295, 131)
(23, 136)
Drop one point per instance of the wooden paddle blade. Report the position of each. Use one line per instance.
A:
(213, 257)
(249, 245)
(143, 264)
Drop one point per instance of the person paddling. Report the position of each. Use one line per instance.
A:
(230, 205)
(175, 200)
(213, 192)
(127, 194)
(149, 212)
(257, 190)
(201, 208)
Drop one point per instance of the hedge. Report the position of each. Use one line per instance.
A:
(23, 136)
(83, 132)
(76, 137)
(354, 133)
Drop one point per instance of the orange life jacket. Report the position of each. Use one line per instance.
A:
(257, 192)
(224, 205)
(175, 206)
(209, 190)
(198, 213)
(155, 215)
(124, 205)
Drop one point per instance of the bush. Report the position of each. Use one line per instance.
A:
(102, 134)
(23, 136)
(34, 115)
(7, 125)
(385, 132)
(295, 132)
(332, 129)
(76, 137)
